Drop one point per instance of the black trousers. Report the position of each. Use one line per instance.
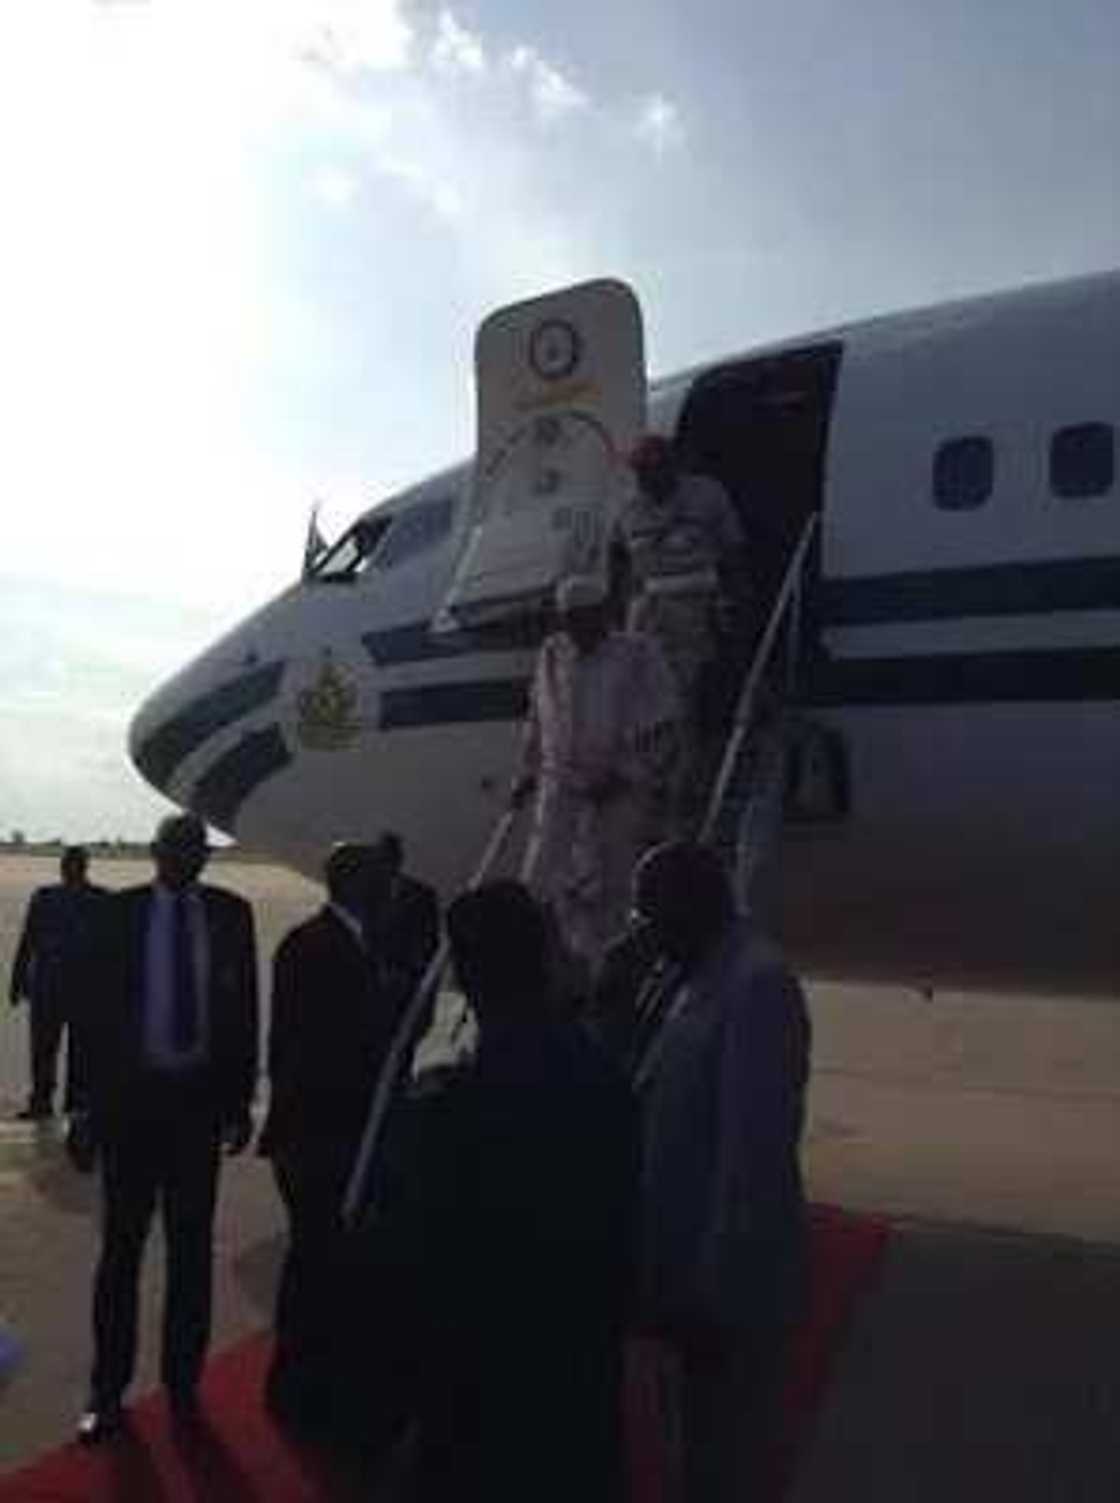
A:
(308, 1303)
(344, 1365)
(166, 1153)
(47, 1023)
(729, 1404)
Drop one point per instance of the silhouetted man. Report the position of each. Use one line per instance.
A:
(332, 1022)
(49, 971)
(172, 1057)
(405, 925)
(723, 1230)
(519, 1202)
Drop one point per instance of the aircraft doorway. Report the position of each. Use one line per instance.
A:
(761, 428)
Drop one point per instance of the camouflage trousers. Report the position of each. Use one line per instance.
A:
(685, 628)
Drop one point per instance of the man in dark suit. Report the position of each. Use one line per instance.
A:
(48, 971)
(505, 1233)
(406, 922)
(332, 1021)
(172, 1061)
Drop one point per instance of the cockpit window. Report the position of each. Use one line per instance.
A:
(415, 531)
(345, 560)
(384, 542)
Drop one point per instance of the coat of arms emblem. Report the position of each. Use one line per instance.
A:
(327, 711)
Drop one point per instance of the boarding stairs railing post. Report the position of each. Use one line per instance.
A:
(407, 1035)
(749, 786)
(787, 610)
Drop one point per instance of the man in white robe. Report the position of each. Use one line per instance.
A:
(599, 747)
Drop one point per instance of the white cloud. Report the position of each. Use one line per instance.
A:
(456, 49)
(176, 393)
(335, 187)
(552, 94)
(423, 183)
(347, 35)
(660, 125)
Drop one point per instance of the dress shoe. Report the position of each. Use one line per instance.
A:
(80, 1144)
(35, 1114)
(100, 1423)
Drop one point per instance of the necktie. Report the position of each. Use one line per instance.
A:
(184, 1012)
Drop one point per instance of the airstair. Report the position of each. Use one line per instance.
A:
(743, 821)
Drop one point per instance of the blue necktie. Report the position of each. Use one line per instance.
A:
(184, 1012)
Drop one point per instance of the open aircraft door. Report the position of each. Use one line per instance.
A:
(561, 401)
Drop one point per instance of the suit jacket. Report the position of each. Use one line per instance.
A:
(112, 1033)
(527, 1162)
(332, 1022)
(57, 932)
(506, 1211)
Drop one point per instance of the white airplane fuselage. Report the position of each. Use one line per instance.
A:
(961, 639)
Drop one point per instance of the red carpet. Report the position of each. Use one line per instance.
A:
(239, 1456)
(847, 1252)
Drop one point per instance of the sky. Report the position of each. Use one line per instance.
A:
(246, 243)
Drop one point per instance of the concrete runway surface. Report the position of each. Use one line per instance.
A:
(987, 1128)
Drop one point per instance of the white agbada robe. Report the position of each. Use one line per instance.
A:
(612, 712)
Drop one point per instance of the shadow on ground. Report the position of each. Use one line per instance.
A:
(53, 1177)
(984, 1366)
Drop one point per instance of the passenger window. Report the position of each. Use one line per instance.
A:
(964, 471)
(1083, 460)
(415, 531)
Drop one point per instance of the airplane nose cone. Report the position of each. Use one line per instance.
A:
(152, 733)
(140, 727)
(187, 722)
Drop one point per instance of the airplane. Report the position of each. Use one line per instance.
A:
(957, 673)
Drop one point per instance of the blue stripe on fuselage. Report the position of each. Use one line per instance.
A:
(238, 772)
(1028, 589)
(160, 754)
(415, 642)
(1026, 675)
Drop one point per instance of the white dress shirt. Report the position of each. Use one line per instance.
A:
(350, 922)
(160, 1050)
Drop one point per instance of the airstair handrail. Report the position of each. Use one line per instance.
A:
(405, 1036)
(788, 595)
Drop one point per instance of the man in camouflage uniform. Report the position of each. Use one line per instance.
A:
(685, 558)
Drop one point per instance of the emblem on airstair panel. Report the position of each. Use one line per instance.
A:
(327, 717)
(555, 348)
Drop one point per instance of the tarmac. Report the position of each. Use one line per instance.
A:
(984, 1363)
